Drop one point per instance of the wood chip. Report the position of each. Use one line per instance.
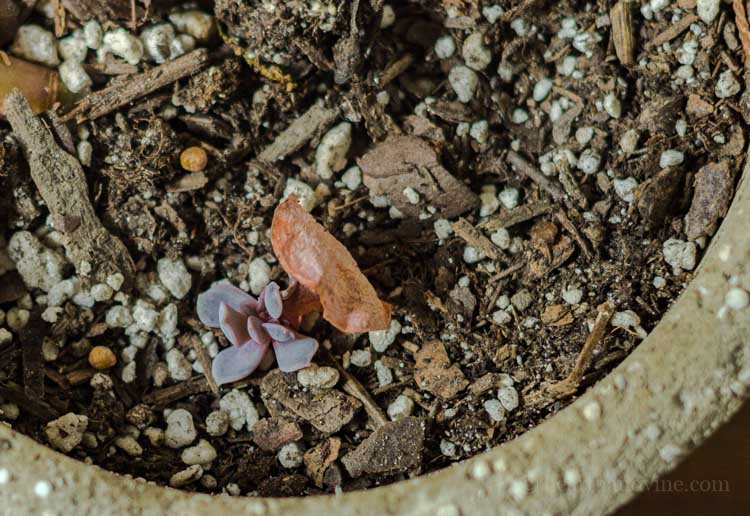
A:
(520, 164)
(390, 449)
(472, 236)
(188, 183)
(655, 196)
(313, 122)
(743, 27)
(205, 361)
(434, 372)
(407, 162)
(673, 31)
(318, 459)
(62, 184)
(508, 218)
(32, 337)
(714, 189)
(557, 315)
(622, 31)
(272, 433)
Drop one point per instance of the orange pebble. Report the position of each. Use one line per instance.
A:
(101, 357)
(193, 159)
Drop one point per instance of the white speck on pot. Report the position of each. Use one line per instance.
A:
(400, 408)
(727, 85)
(625, 188)
(571, 477)
(612, 105)
(542, 89)
(448, 510)
(42, 489)
(670, 452)
(508, 396)
(66, 432)
(445, 47)
(589, 162)
(304, 193)
(290, 456)
(34, 43)
(476, 55)
(384, 374)
(737, 298)
(330, 156)
(180, 429)
(671, 158)
(480, 470)
(174, 276)
(4, 476)
(315, 377)
(592, 410)
(123, 44)
(464, 82)
(679, 254)
(202, 453)
(382, 339)
(495, 409)
(240, 408)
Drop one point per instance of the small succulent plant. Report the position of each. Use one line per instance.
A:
(252, 326)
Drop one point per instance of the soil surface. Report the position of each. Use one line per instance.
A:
(529, 184)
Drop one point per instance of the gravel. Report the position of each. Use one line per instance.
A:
(66, 432)
(180, 429)
(495, 409)
(174, 276)
(679, 254)
(331, 154)
(401, 407)
(241, 410)
(445, 47)
(464, 82)
(36, 44)
(38, 266)
(382, 339)
(202, 453)
(291, 456)
(259, 275)
(476, 55)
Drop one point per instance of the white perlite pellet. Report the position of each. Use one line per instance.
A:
(314, 377)
(217, 423)
(174, 275)
(495, 409)
(291, 456)
(489, 203)
(501, 238)
(509, 197)
(180, 429)
(305, 193)
(443, 228)
(612, 105)
(626, 319)
(66, 432)
(542, 89)
(679, 254)
(400, 408)
(196, 23)
(34, 43)
(75, 78)
(38, 266)
(123, 44)
(258, 275)
(445, 47)
(382, 339)
(361, 357)
(625, 188)
(464, 82)
(179, 367)
(572, 296)
(202, 453)
(241, 410)
(508, 396)
(73, 48)
(708, 10)
(589, 162)
(157, 42)
(671, 158)
(352, 178)
(727, 85)
(476, 55)
(330, 156)
(384, 374)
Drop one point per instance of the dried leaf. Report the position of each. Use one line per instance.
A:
(714, 188)
(319, 262)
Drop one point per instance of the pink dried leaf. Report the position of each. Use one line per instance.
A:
(318, 261)
(235, 363)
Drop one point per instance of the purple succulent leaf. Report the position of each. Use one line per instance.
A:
(262, 301)
(268, 359)
(273, 301)
(237, 362)
(233, 324)
(257, 331)
(279, 332)
(296, 354)
(223, 292)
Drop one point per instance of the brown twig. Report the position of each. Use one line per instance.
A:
(524, 167)
(673, 31)
(472, 236)
(205, 360)
(570, 227)
(743, 27)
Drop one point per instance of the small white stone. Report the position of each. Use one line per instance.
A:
(508, 396)
(384, 374)
(34, 43)
(202, 453)
(625, 188)
(42, 489)
(129, 445)
(659, 282)
(157, 42)
(476, 55)
(74, 76)
(708, 10)
(472, 255)
(217, 423)
(509, 197)
(584, 135)
(519, 116)
(501, 317)
(352, 178)
(51, 314)
(186, 476)
(259, 275)
(181, 45)
(85, 152)
(480, 131)
(180, 429)
(542, 89)
(145, 317)
(411, 195)
(445, 47)
(304, 193)
(464, 82)
(592, 410)
(495, 409)
(314, 377)
(679, 254)
(38, 266)
(123, 44)
(174, 276)
(612, 105)
(115, 281)
(66, 432)
(572, 296)
(400, 408)
(118, 317)
(447, 448)
(589, 162)
(178, 366)
(489, 203)
(291, 456)
(629, 141)
(727, 85)
(501, 238)
(382, 339)
(197, 24)
(241, 410)
(73, 48)
(626, 319)
(671, 158)
(330, 156)
(92, 33)
(737, 298)
(519, 26)
(361, 357)
(492, 13)
(443, 228)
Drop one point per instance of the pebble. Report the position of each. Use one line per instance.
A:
(542, 89)
(291, 456)
(75, 78)
(202, 453)
(118, 317)
(217, 423)
(179, 367)
(671, 158)
(572, 296)
(180, 429)
(737, 298)
(123, 44)
(519, 116)
(443, 228)
(509, 197)
(708, 10)
(480, 131)
(157, 42)
(612, 105)
(38, 266)
(352, 178)
(489, 203)
(330, 156)
(589, 162)
(522, 299)
(174, 276)
(727, 85)
(361, 357)
(445, 47)
(129, 445)
(626, 319)
(73, 47)
(501, 238)
(66, 432)
(382, 339)
(476, 55)
(495, 409)
(304, 193)
(464, 82)
(92, 34)
(241, 410)
(472, 255)
(314, 377)
(626, 188)
(384, 374)
(85, 152)
(501, 317)
(186, 476)
(34, 43)
(101, 357)
(659, 282)
(584, 135)
(629, 141)
(401, 407)
(197, 24)
(679, 254)
(508, 396)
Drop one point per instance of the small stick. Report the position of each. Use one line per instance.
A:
(507, 272)
(395, 69)
(472, 236)
(353, 387)
(205, 360)
(673, 31)
(519, 163)
(570, 227)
